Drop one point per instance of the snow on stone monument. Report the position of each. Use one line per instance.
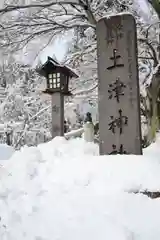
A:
(119, 101)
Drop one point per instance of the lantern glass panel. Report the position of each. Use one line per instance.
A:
(50, 83)
(50, 76)
(54, 80)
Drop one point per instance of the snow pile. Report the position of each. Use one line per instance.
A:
(63, 190)
(6, 152)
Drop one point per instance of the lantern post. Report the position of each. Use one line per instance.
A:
(57, 85)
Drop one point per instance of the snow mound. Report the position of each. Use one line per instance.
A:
(63, 190)
(6, 151)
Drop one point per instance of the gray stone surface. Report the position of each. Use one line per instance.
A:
(119, 104)
(57, 114)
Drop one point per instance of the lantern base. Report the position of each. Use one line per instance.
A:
(52, 91)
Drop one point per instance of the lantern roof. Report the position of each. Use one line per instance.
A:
(51, 65)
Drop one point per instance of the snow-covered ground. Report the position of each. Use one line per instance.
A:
(6, 152)
(63, 190)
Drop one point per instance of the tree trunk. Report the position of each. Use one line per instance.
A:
(154, 121)
(153, 91)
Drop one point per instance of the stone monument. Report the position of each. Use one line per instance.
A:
(119, 98)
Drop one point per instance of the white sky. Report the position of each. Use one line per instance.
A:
(31, 55)
(142, 6)
(59, 49)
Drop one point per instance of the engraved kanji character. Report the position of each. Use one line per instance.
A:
(55, 109)
(115, 58)
(118, 30)
(114, 32)
(119, 151)
(110, 36)
(116, 89)
(118, 122)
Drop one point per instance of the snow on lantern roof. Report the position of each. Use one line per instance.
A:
(53, 64)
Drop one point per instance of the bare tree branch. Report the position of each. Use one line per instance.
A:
(149, 44)
(10, 8)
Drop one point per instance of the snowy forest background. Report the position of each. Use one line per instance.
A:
(30, 30)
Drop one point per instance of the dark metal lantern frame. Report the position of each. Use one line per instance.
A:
(57, 76)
